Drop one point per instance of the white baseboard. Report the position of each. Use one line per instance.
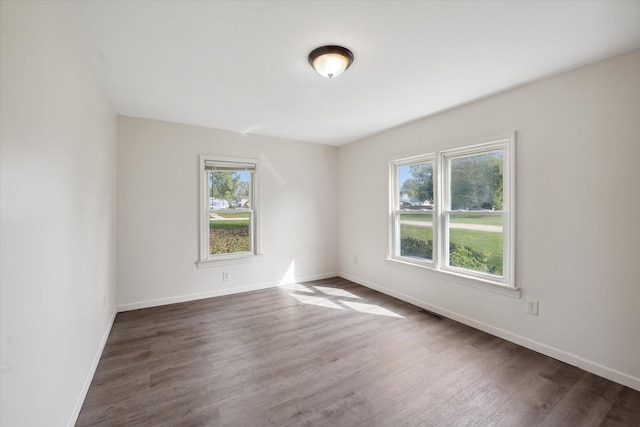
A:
(571, 359)
(92, 370)
(218, 292)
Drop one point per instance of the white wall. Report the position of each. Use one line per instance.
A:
(578, 234)
(58, 179)
(158, 202)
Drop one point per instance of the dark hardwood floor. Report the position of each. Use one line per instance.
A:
(331, 352)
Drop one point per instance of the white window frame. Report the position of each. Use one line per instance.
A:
(442, 211)
(396, 211)
(212, 260)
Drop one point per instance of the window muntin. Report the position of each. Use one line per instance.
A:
(470, 230)
(228, 227)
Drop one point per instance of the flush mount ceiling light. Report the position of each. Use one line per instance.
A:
(330, 61)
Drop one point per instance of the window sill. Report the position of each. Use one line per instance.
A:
(461, 279)
(229, 260)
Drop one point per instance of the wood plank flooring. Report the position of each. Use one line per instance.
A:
(333, 353)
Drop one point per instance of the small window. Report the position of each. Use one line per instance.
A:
(228, 214)
(454, 210)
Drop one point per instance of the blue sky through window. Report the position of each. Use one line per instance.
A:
(404, 172)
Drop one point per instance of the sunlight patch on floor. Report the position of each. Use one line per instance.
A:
(336, 292)
(297, 287)
(370, 309)
(314, 300)
(334, 298)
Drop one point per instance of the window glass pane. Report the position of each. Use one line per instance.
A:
(416, 235)
(229, 232)
(476, 181)
(475, 242)
(415, 186)
(229, 190)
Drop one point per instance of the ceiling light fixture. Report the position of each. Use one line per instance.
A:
(330, 61)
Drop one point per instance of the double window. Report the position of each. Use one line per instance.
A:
(228, 209)
(454, 210)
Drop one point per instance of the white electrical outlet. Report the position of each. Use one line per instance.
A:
(225, 276)
(532, 307)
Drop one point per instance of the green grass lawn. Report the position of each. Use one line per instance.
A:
(480, 241)
(229, 223)
(461, 219)
(231, 220)
(415, 249)
(415, 217)
(477, 219)
(420, 233)
(234, 214)
(488, 244)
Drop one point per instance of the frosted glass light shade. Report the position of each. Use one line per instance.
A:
(330, 61)
(330, 65)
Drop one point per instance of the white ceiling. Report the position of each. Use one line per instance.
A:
(242, 65)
